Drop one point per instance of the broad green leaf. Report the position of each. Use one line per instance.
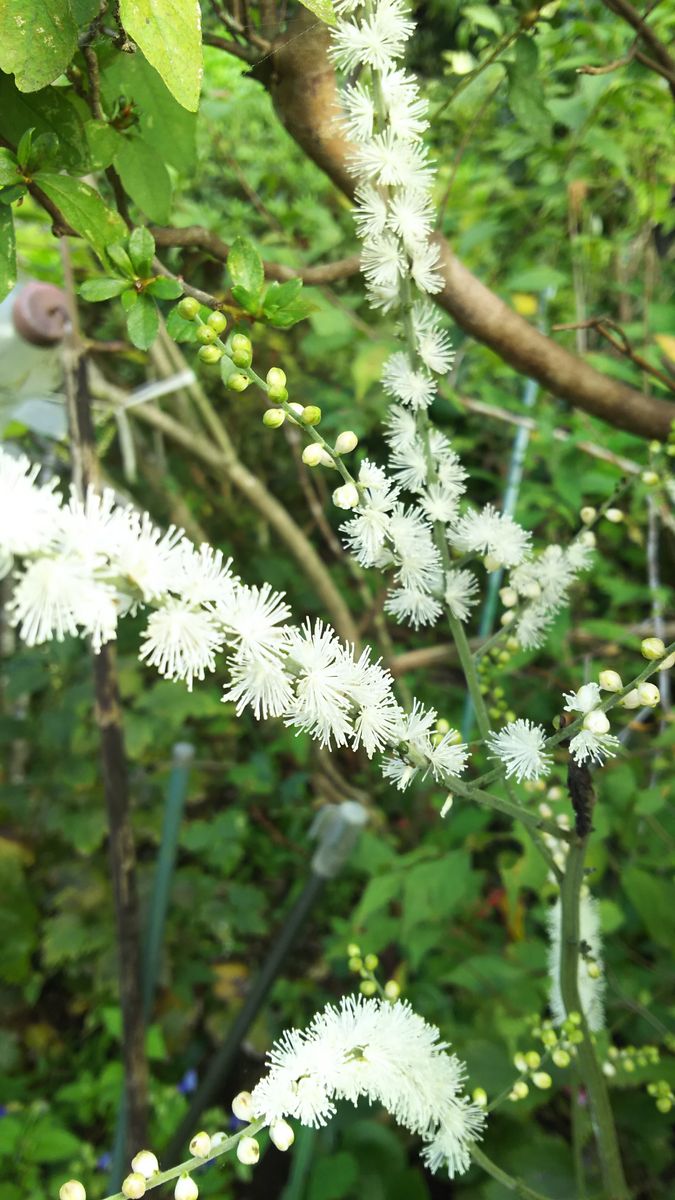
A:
(249, 301)
(652, 896)
(103, 143)
(162, 122)
(323, 9)
(526, 96)
(169, 34)
(179, 329)
(7, 251)
(279, 295)
(299, 310)
(164, 289)
(483, 16)
(47, 111)
(8, 167)
(84, 209)
(102, 289)
(39, 38)
(245, 267)
(145, 177)
(119, 256)
(143, 322)
(142, 250)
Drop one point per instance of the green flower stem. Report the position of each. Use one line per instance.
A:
(508, 1181)
(587, 1061)
(191, 1164)
(509, 807)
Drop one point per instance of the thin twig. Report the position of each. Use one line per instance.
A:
(621, 343)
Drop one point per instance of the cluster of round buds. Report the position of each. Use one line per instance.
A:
(235, 357)
(663, 1095)
(489, 672)
(366, 965)
(528, 1065)
(144, 1166)
(627, 1058)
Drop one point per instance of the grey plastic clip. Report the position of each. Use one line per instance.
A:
(336, 829)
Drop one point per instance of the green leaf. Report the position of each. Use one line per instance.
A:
(180, 330)
(164, 289)
(7, 251)
(102, 142)
(169, 34)
(653, 899)
(24, 147)
(119, 257)
(245, 267)
(526, 96)
(84, 209)
(143, 322)
(249, 301)
(102, 289)
(39, 38)
(299, 310)
(9, 194)
(8, 167)
(145, 177)
(142, 250)
(279, 295)
(48, 111)
(323, 9)
(161, 119)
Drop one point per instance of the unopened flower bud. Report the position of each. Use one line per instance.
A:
(668, 662)
(273, 418)
(312, 455)
(648, 694)
(608, 1069)
(248, 1151)
(353, 949)
(186, 1188)
(491, 562)
(280, 395)
(533, 1059)
(631, 699)
(615, 515)
(210, 354)
(276, 377)
(664, 1104)
(508, 596)
(392, 990)
(561, 1058)
(346, 496)
(355, 963)
(587, 538)
(531, 590)
(296, 409)
(281, 1135)
(610, 681)
(133, 1187)
(206, 335)
(200, 1146)
(542, 1079)
(242, 1106)
(549, 1036)
(594, 970)
(442, 725)
(346, 442)
(217, 321)
(447, 804)
(371, 962)
(596, 722)
(520, 1062)
(311, 414)
(650, 478)
(73, 1189)
(238, 382)
(479, 1096)
(145, 1162)
(368, 987)
(588, 514)
(188, 308)
(519, 1090)
(241, 345)
(652, 648)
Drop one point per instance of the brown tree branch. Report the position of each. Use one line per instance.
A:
(199, 238)
(664, 60)
(301, 82)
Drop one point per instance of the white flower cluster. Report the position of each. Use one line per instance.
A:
(594, 743)
(541, 585)
(590, 974)
(386, 1053)
(521, 746)
(83, 565)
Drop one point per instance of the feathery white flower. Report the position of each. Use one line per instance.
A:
(322, 702)
(446, 757)
(57, 598)
(181, 641)
(263, 686)
(439, 503)
(388, 160)
(521, 746)
(359, 112)
(410, 386)
(419, 562)
(254, 619)
(375, 40)
(378, 714)
(414, 607)
(382, 261)
(461, 593)
(585, 700)
(411, 217)
(433, 342)
(491, 533)
(400, 772)
(425, 268)
(142, 553)
(406, 109)
(383, 1052)
(591, 991)
(205, 576)
(29, 513)
(370, 212)
(586, 746)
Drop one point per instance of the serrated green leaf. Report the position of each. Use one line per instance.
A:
(142, 250)
(323, 9)
(83, 209)
(8, 167)
(143, 322)
(245, 267)
(7, 251)
(145, 177)
(169, 34)
(164, 289)
(39, 38)
(102, 289)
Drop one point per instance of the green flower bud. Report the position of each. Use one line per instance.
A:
(188, 308)
(346, 442)
(311, 415)
(353, 949)
(210, 354)
(133, 1187)
(276, 377)
(72, 1190)
(200, 1146)
(312, 454)
(542, 1079)
(561, 1058)
(278, 393)
(238, 382)
(355, 963)
(664, 1104)
(371, 962)
(392, 990)
(519, 1090)
(206, 334)
(533, 1059)
(273, 418)
(479, 1096)
(145, 1162)
(217, 321)
(240, 342)
(652, 648)
(368, 987)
